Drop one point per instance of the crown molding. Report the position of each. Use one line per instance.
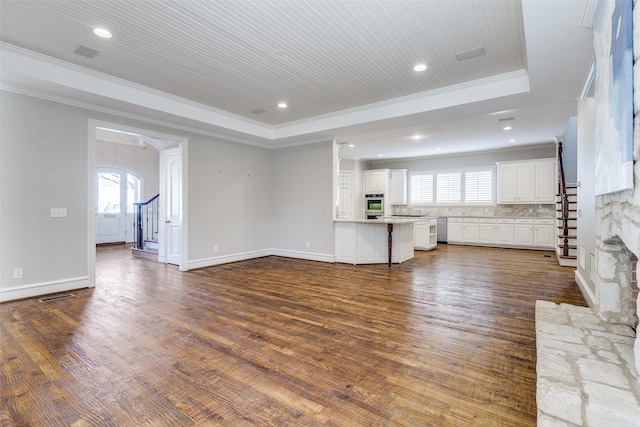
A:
(118, 113)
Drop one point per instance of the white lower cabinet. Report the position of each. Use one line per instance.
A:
(504, 232)
(454, 230)
(487, 232)
(425, 234)
(470, 230)
(523, 232)
(543, 233)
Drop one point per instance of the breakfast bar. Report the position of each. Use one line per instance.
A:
(383, 240)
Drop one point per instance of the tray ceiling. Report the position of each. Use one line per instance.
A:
(323, 58)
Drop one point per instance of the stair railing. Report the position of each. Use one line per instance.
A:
(564, 197)
(146, 221)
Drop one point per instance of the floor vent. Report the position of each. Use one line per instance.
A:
(56, 297)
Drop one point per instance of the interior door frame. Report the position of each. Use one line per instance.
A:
(180, 141)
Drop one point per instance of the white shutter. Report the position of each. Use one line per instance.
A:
(478, 187)
(449, 188)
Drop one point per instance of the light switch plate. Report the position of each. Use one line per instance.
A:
(58, 212)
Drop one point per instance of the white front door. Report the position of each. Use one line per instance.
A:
(173, 204)
(117, 191)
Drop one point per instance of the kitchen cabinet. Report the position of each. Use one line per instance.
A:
(398, 187)
(376, 181)
(543, 233)
(504, 232)
(530, 182)
(523, 232)
(515, 183)
(470, 230)
(425, 234)
(533, 233)
(462, 230)
(545, 181)
(454, 230)
(487, 231)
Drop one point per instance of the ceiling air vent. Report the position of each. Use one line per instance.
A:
(259, 111)
(86, 52)
(506, 119)
(471, 53)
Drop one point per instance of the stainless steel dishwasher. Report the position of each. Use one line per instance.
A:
(442, 230)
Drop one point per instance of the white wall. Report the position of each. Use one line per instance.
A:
(44, 166)
(248, 201)
(229, 200)
(586, 233)
(570, 151)
(302, 200)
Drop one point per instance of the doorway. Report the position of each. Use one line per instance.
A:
(106, 221)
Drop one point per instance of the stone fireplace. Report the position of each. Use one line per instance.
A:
(589, 358)
(617, 246)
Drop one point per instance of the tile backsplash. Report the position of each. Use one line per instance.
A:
(536, 211)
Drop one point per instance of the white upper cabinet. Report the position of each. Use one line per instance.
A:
(398, 187)
(546, 181)
(526, 182)
(376, 181)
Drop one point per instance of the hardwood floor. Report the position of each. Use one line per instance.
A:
(445, 339)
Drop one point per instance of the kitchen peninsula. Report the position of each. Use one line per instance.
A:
(385, 240)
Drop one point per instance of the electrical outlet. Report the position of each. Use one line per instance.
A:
(18, 273)
(58, 212)
(215, 248)
(308, 244)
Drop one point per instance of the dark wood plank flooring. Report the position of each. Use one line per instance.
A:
(445, 339)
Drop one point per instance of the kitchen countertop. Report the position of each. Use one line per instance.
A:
(385, 220)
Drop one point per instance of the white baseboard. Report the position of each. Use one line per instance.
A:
(223, 259)
(208, 262)
(44, 288)
(589, 297)
(311, 256)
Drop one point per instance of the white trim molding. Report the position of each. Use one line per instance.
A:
(43, 288)
(589, 297)
(224, 259)
(310, 256)
(243, 256)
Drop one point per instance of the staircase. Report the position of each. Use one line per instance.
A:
(566, 246)
(146, 230)
(566, 218)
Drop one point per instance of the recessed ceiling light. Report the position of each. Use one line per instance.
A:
(507, 128)
(512, 140)
(380, 155)
(351, 145)
(102, 32)
(438, 149)
(420, 67)
(282, 105)
(416, 136)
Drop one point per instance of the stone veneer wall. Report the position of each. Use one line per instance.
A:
(618, 228)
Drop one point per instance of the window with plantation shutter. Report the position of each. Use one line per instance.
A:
(453, 187)
(448, 188)
(478, 187)
(422, 188)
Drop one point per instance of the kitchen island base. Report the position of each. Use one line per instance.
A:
(367, 242)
